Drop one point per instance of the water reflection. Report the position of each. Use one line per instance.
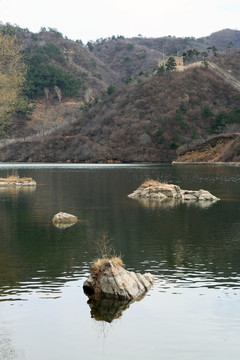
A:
(16, 190)
(7, 351)
(171, 203)
(107, 309)
(191, 252)
(62, 226)
(36, 255)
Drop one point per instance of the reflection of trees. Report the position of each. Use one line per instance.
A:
(8, 270)
(30, 246)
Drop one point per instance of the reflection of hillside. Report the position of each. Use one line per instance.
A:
(9, 270)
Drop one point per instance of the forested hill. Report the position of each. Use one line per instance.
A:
(108, 100)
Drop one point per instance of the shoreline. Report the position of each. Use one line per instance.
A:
(215, 163)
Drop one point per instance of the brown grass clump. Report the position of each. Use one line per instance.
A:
(15, 178)
(99, 265)
(149, 183)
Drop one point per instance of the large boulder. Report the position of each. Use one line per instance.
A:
(109, 279)
(64, 220)
(156, 191)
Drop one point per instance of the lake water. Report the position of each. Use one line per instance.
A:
(192, 249)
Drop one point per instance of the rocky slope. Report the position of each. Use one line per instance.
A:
(221, 148)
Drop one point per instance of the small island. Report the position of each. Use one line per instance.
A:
(111, 288)
(109, 279)
(156, 191)
(16, 181)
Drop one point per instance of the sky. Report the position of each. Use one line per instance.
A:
(95, 19)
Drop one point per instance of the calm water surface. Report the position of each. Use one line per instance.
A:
(193, 250)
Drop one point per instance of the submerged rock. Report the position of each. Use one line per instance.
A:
(111, 280)
(64, 220)
(156, 191)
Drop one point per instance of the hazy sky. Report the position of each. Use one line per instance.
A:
(90, 20)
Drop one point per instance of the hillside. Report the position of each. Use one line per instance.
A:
(105, 102)
(142, 121)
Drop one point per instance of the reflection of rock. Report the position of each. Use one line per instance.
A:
(155, 191)
(107, 309)
(200, 204)
(164, 204)
(15, 190)
(62, 226)
(17, 183)
(110, 280)
(63, 220)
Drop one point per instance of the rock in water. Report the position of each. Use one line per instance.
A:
(63, 220)
(113, 281)
(156, 191)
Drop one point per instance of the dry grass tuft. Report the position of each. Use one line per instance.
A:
(15, 178)
(149, 183)
(98, 265)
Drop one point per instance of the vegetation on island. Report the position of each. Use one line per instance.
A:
(15, 178)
